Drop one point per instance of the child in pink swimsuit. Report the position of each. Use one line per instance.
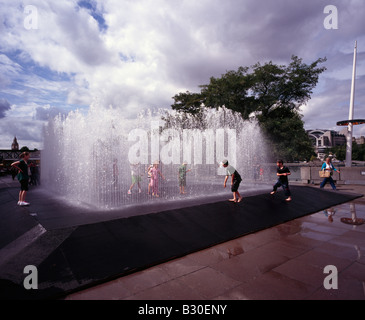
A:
(155, 171)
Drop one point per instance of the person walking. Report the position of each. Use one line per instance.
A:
(23, 177)
(329, 167)
(282, 172)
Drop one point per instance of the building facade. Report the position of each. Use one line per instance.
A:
(15, 145)
(8, 156)
(322, 140)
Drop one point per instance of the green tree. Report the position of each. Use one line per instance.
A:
(267, 87)
(188, 102)
(24, 149)
(285, 133)
(339, 152)
(232, 91)
(358, 152)
(273, 93)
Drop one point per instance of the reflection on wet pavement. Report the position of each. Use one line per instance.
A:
(354, 220)
(283, 262)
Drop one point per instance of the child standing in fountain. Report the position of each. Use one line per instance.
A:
(235, 181)
(136, 177)
(155, 172)
(149, 178)
(182, 177)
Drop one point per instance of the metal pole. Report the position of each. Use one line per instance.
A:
(351, 114)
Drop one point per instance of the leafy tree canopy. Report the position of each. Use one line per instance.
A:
(260, 88)
(273, 93)
(286, 136)
(24, 149)
(358, 152)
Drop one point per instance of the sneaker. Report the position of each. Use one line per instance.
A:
(139, 191)
(129, 192)
(19, 202)
(24, 204)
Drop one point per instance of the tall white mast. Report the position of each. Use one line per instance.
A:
(351, 114)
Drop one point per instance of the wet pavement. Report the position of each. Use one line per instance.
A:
(287, 261)
(283, 262)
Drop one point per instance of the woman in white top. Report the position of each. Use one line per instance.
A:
(328, 166)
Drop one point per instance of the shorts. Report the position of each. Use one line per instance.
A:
(136, 179)
(235, 185)
(182, 182)
(24, 185)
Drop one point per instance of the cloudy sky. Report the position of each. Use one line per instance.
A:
(58, 56)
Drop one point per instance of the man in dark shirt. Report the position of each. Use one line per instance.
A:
(283, 173)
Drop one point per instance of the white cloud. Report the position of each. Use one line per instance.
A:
(138, 54)
(28, 132)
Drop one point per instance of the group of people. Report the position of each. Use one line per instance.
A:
(282, 173)
(153, 173)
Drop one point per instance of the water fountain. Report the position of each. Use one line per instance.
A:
(88, 158)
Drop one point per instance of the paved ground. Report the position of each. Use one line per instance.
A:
(283, 262)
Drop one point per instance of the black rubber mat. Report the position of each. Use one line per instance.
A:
(102, 251)
(14, 221)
